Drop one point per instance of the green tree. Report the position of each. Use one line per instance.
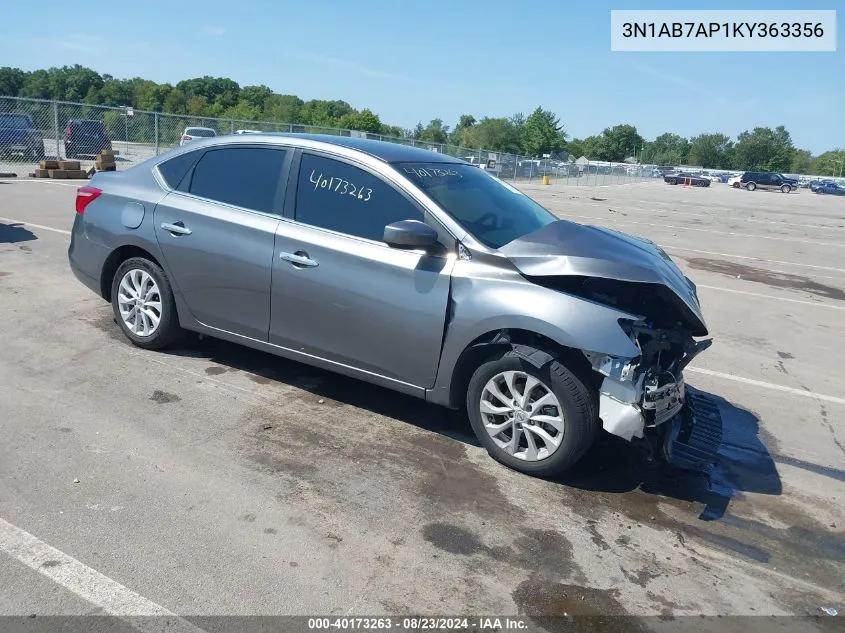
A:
(542, 133)
(37, 86)
(802, 159)
(666, 149)
(365, 120)
(710, 150)
(618, 143)
(831, 163)
(497, 134)
(242, 111)
(434, 132)
(256, 96)
(197, 105)
(764, 149)
(282, 108)
(175, 102)
(116, 92)
(464, 123)
(11, 81)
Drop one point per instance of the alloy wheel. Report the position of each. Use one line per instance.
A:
(522, 415)
(139, 302)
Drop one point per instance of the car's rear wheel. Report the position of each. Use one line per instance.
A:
(672, 181)
(538, 421)
(735, 185)
(751, 186)
(785, 188)
(143, 304)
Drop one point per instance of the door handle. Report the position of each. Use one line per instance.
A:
(177, 228)
(299, 258)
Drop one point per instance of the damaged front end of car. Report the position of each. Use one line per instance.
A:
(641, 397)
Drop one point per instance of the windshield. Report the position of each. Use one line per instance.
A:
(15, 121)
(492, 211)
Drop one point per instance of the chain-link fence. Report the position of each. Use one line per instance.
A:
(34, 129)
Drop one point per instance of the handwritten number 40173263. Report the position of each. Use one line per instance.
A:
(339, 186)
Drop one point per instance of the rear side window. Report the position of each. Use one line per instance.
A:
(15, 121)
(175, 169)
(248, 177)
(337, 196)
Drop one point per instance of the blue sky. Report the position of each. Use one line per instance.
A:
(410, 61)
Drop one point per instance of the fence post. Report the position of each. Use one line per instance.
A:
(155, 127)
(290, 128)
(56, 127)
(231, 126)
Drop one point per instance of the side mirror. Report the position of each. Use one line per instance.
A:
(410, 234)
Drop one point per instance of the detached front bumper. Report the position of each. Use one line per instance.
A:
(627, 408)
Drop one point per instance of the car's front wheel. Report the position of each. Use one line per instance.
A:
(785, 188)
(538, 421)
(143, 304)
(751, 186)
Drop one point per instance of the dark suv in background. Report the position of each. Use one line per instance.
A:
(19, 137)
(752, 180)
(85, 137)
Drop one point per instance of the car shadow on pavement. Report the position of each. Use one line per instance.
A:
(612, 466)
(743, 464)
(265, 368)
(12, 233)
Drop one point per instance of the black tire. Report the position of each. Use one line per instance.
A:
(672, 181)
(735, 185)
(751, 186)
(168, 330)
(785, 189)
(580, 413)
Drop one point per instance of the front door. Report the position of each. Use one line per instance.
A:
(340, 293)
(217, 236)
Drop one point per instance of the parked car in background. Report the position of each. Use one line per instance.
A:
(194, 133)
(830, 188)
(19, 137)
(85, 137)
(412, 270)
(733, 181)
(766, 180)
(685, 178)
(815, 184)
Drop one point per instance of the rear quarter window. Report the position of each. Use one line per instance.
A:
(174, 170)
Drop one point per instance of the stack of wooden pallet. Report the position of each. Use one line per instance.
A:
(60, 169)
(105, 161)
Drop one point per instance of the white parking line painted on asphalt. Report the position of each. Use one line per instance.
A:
(759, 259)
(35, 226)
(89, 584)
(46, 181)
(816, 304)
(766, 385)
(689, 228)
(713, 216)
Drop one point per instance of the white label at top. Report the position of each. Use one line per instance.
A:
(729, 30)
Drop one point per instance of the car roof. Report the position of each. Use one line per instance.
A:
(383, 150)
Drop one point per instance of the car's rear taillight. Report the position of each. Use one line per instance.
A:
(85, 196)
(186, 138)
(67, 131)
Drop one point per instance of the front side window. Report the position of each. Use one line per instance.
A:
(338, 196)
(248, 177)
(494, 212)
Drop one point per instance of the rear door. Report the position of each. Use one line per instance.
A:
(216, 231)
(340, 293)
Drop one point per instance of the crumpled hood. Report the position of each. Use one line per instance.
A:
(568, 248)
